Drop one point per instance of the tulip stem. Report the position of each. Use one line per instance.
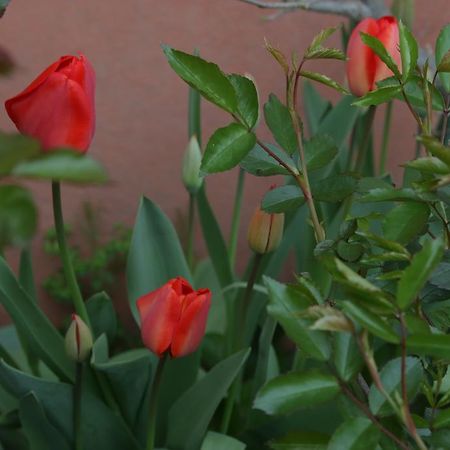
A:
(236, 217)
(386, 132)
(190, 240)
(69, 272)
(365, 142)
(77, 390)
(241, 320)
(154, 402)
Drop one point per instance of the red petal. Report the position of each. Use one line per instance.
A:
(388, 34)
(361, 64)
(161, 317)
(191, 327)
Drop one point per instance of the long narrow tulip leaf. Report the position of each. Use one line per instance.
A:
(33, 324)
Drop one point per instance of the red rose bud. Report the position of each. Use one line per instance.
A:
(364, 67)
(58, 106)
(173, 318)
(78, 340)
(265, 231)
(192, 161)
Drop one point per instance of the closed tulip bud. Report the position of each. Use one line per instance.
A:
(265, 231)
(192, 161)
(364, 67)
(173, 318)
(78, 340)
(58, 108)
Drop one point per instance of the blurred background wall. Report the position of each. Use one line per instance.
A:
(142, 105)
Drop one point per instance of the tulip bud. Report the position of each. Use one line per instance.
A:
(265, 231)
(78, 340)
(364, 67)
(173, 318)
(192, 161)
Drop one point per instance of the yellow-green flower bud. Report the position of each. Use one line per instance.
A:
(78, 340)
(265, 231)
(192, 161)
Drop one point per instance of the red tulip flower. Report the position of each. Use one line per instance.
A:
(364, 67)
(58, 107)
(173, 318)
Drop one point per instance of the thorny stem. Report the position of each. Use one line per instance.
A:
(409, 422)
(236, 217)
(413, 112)
(363, 407)
(385, 142)
(446, 112)
(363, 149)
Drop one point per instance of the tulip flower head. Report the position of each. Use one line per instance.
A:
(58, 107)
(173, 318)
(364, 67)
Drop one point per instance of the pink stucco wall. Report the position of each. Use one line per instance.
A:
(141, 104)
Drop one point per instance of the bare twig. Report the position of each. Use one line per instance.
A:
(352, 9)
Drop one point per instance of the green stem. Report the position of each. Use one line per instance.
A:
(154, 402)
(386, 132)
(363, 148)
(77, 390)
(69, 272)
(240, 321)
(236, 217)
(190, 242)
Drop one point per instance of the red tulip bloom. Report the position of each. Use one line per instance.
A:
(58, 107)
(364, 67)
(173, 318)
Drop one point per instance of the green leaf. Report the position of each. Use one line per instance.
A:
(214, 240)
(444, 65)
(294, 390)
(320, 38)
(429, 164)
(346, 356)
(441, 276)
(98, 422)
(129, 377)
(378, 96)
(226, 148)
(437, 345)
(154, 239)
(247, 99)
(217, 441)
(286, 304)
(334, 188)
(442, 420)
(279, 121)
(282, 199)
(442, 47)
(320, 150)
(326, 53)
(390, 194)
(47, 343)
(409, 51)
(204, 76)
(323, 79)
(278, 55)
(18, 216)
(301, 440)
(315, 107)
(102, 315)
(377, 46)
(391, 379)
(186, 431)
(374, 323)
(259, 163)
(40, 433)
(417, 273)
(372, 296)
(405, 221)
(436, 148)
(15, 148)
(62, 165)
(357, 433)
